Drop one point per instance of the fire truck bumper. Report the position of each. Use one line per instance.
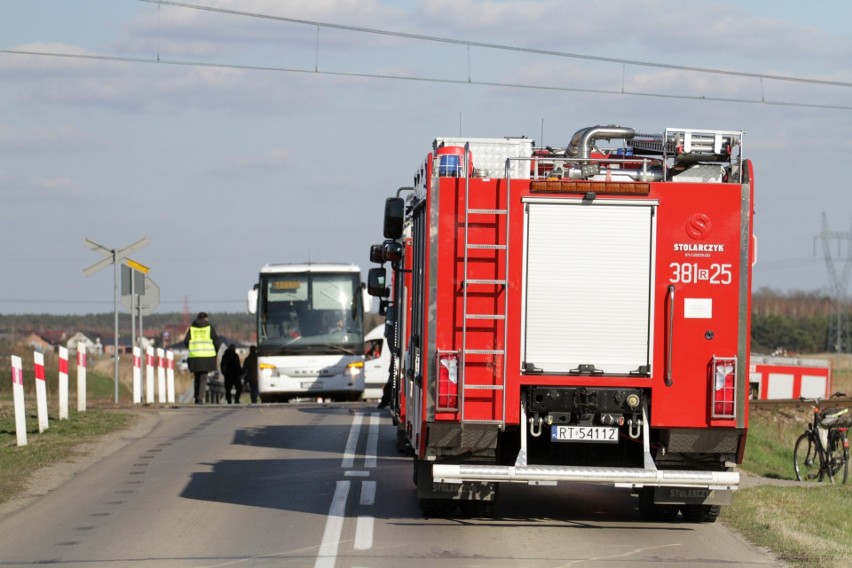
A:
(619, 477)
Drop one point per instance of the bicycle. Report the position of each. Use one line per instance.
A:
(823, 450)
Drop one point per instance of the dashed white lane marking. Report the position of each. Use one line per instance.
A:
(327, 555)
(368, 493)
(364, 533)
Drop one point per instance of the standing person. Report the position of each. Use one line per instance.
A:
(232, 371)
(203, 345)
(250, 372)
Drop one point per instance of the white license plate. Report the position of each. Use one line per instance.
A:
(600, 434)
(312, 385)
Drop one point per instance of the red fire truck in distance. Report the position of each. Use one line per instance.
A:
(576, 314)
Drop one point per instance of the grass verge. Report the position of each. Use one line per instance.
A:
(805, 526)
(58, 443)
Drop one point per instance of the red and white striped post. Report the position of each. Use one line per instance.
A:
(18, 396)
(170, 376)
(149, 375)
(63, 383)
(81, 377)
(161, 375)
(41, 391)
(137, 375)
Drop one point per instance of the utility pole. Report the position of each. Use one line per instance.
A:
(838, 326)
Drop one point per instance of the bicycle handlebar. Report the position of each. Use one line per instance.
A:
(816, 400)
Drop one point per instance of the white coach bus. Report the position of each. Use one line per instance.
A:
(310, 331)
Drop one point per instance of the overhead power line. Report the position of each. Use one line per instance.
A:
(465, 81)
(622, 91)
(503, 47)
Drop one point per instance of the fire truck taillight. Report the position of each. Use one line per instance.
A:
(724, 387)
(448, 381)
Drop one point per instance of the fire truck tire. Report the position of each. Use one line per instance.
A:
(650, 511)
(701, 513)
(438, 507)
(477, 509)
(402, 445)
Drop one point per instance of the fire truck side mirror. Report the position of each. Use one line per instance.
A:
(390, 327)
(383, 306)
(394, 214)
(376, 283)
(376, 254)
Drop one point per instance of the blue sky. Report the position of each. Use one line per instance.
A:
(277, 141)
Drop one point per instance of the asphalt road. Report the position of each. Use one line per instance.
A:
(319, 486)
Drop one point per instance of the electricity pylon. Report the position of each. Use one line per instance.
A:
(838, 327)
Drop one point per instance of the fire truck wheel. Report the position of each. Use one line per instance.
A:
(477, 509)
(650, 511)
(438, 507)
(402, 445)
(701, 513)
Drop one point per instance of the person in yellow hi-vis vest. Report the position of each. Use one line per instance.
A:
(203, 345)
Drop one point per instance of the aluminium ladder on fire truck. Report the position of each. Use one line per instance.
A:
(499, 217)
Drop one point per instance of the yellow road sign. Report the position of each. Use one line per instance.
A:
(136, 266)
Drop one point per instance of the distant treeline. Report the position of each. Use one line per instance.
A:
(239, 325)
(796, 322)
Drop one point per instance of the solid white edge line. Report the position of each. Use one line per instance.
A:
(352, 442)
(327, 555)
(372, 441)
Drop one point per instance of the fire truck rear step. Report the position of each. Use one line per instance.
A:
(619, 477)
(648, 475)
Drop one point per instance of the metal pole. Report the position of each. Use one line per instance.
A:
(132, 306)
(116, 266)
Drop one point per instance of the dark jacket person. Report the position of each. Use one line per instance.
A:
(203, 345)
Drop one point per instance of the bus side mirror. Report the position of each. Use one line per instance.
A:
(376, 282)
(366, 299)
(394, 214)
(252, 300)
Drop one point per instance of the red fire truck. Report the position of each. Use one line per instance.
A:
(576, 314)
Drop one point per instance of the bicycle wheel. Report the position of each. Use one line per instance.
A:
(838, 457)
(806, 460)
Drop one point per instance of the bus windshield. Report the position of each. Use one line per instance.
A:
(310, 313)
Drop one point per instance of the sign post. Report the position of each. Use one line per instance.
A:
(113, 257)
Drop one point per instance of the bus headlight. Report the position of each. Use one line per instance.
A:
(355, 368)
(268, 371)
